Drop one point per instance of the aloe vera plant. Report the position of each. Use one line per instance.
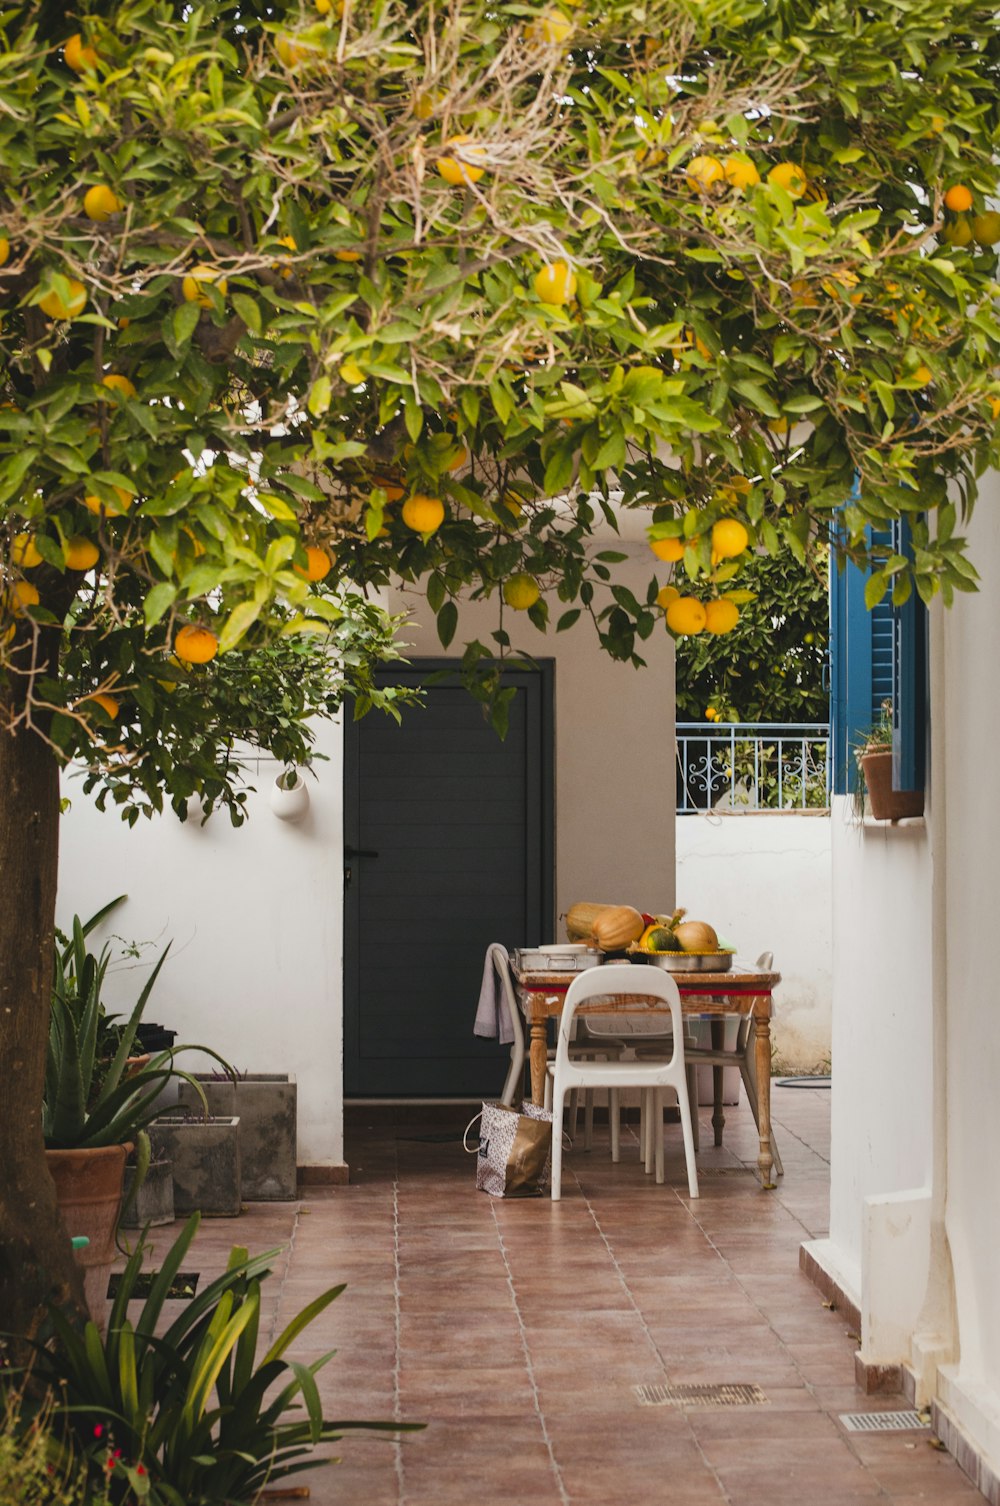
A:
(186, 1417)
(89, 1100)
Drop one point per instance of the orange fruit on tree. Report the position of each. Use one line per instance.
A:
(53, 305)
(20, 595)
(24, 551)
(556, 283)
(96, 504)
(464, 169)
(391, 487)
(729, 538)
(198, 279)
(422, 513)
(686, 616)
(4, 249)
(790, 177)
(77, 55)
(665, 595)
(80, 553)
(721, 616)
(318, 564)
(957, 232)
(119, 383)
(986, 228)
(923, 375)
(740, 172)
(347, 255)
(100, 203)
(995, 407)
(710, 713)
(107, 703)
(521, 591)
(958, 198)
(293, 50)
(283, 267)
(668, 549)
(703, 173)
(195, 644)
(551, 27)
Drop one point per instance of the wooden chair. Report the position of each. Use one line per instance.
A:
(744, 1057)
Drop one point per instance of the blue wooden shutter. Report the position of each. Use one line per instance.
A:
(876, 656)
(909, 681)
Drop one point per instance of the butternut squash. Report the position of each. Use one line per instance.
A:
(697, 936)
(616, 926)
(580, 920)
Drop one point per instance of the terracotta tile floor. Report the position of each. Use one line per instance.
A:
(518, 1330)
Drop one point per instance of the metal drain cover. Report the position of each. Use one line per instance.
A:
(882, 1422)
(730, 1394)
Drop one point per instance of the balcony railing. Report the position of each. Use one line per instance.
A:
(752, 766)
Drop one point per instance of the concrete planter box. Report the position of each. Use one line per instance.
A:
(154, 1202)
(205, 1159)
(266, 1104)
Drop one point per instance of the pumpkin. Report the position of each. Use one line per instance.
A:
(580, 920)
(658, 938)
(616, 926)
(696, 936)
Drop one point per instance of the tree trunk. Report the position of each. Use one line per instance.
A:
(37, 1265)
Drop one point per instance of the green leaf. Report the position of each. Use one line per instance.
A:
(320, 394)
(875, 589)
(447, 622)
(159, 600)
(185, 322)
(249, 311)
(239, 622)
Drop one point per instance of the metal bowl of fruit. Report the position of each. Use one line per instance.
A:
(693, 962)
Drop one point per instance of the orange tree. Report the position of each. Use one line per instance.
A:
(299, 297)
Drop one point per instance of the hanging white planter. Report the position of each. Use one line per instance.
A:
(289, 798)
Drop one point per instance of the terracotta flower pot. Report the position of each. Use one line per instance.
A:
(89, 1194)
(887, 804)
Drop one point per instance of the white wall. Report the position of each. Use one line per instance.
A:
(763, 880)
(969, 708)
(255, 914)
(916, 1039)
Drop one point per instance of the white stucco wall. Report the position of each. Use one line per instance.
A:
(916, 1038)
(968, 704)
(255, 915)
(763, 880)
(881, 1132)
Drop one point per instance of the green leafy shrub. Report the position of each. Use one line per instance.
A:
(184, 1417)
(35, 1467)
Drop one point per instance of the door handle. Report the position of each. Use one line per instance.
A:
(359, 852)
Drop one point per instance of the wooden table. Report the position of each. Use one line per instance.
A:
(703, 996)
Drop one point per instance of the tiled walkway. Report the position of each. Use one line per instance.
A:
(518, 1331)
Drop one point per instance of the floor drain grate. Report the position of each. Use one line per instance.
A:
(734, 1394)
(882, 1422)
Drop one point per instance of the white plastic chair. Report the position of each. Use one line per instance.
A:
(652, 1075)
(743, 1055)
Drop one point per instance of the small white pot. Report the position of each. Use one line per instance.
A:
(289, 804)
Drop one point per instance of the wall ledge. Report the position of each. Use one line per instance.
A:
(324, 1174)
(814, 1263)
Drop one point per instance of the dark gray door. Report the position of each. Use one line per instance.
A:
(462, 827)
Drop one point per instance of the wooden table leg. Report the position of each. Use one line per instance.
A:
(718, 1116)
(762, 1050)
(538, 1055)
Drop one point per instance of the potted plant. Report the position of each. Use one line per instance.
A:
(97, 1100)
(874, 759)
